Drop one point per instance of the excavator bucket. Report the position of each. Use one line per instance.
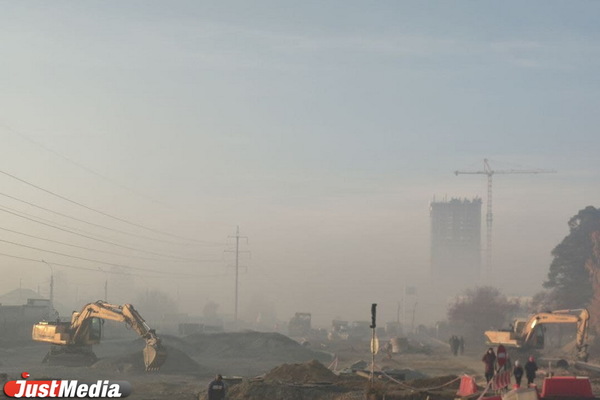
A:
(154, 356)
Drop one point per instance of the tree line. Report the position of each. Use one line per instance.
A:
(573, 282)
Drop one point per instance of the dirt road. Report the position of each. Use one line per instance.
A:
(194, 360)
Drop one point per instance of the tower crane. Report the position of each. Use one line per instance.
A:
(487, 170)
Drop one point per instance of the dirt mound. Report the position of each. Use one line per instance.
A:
(177, 362)
(169, 341)
(254, 345)
(435, 382)
(271, 391)
(310, 372)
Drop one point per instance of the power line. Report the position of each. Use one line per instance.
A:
(90, 223)
(87, 169)
(71, 256)
(109, 272)
(95, 210)
(39, 261)
(18, 214)
(104, 177)
(87, 248)
(92, 260)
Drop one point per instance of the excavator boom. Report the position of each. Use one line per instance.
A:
(84, 330)
(529, 334)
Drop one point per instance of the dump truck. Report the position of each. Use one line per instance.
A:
(72, 341)
(528, 334)
(339, 330)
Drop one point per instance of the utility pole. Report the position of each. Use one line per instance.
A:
(105, 283)
(374, 341)
(51, 284)
(237, 266)
(487, 170)
(412, 323)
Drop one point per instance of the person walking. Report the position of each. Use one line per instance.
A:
(530, 370)
(518, 373)
(489, 359)
(452, 343)
(461, 345)
(455, 344)
(216, 389)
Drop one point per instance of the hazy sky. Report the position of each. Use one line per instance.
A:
(322, 128)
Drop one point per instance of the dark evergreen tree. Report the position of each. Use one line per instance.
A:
(569, 281)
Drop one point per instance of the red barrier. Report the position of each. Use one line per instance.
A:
(572, 386)
(501, 380)
(467, 386)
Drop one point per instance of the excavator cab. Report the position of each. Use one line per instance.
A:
(95, 330)
(538, 337)
(519, 326)
(72, 341)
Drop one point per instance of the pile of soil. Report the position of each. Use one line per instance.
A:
(171, 342)
(436, 382)
(264, 390)
(409, 374)
(310, 372)
(253, 345)
(177, 362)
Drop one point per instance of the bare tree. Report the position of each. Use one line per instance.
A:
(478, 310)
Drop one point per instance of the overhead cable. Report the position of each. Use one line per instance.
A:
(23, 215)
(97, 211)
(94, 224)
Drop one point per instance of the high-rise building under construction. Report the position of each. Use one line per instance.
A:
(456, 241)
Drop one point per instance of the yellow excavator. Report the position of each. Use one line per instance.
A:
(72, 341)
(528, 334)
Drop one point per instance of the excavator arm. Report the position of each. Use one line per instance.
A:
(78, 333)
(562, 317)
(528, 334)
(125, 313)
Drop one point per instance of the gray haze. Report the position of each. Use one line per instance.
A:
(322, 130)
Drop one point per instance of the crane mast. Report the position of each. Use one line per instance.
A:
(489, 216)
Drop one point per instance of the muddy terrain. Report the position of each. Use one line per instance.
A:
(265, 366)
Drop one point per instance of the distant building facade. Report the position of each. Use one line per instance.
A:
(456, 242)
(16, 322)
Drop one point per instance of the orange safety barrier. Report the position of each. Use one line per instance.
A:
(572, 386)
(501, 380)
(467, 386)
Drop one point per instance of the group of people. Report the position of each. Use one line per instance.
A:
(457, 344)
(491, 367)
